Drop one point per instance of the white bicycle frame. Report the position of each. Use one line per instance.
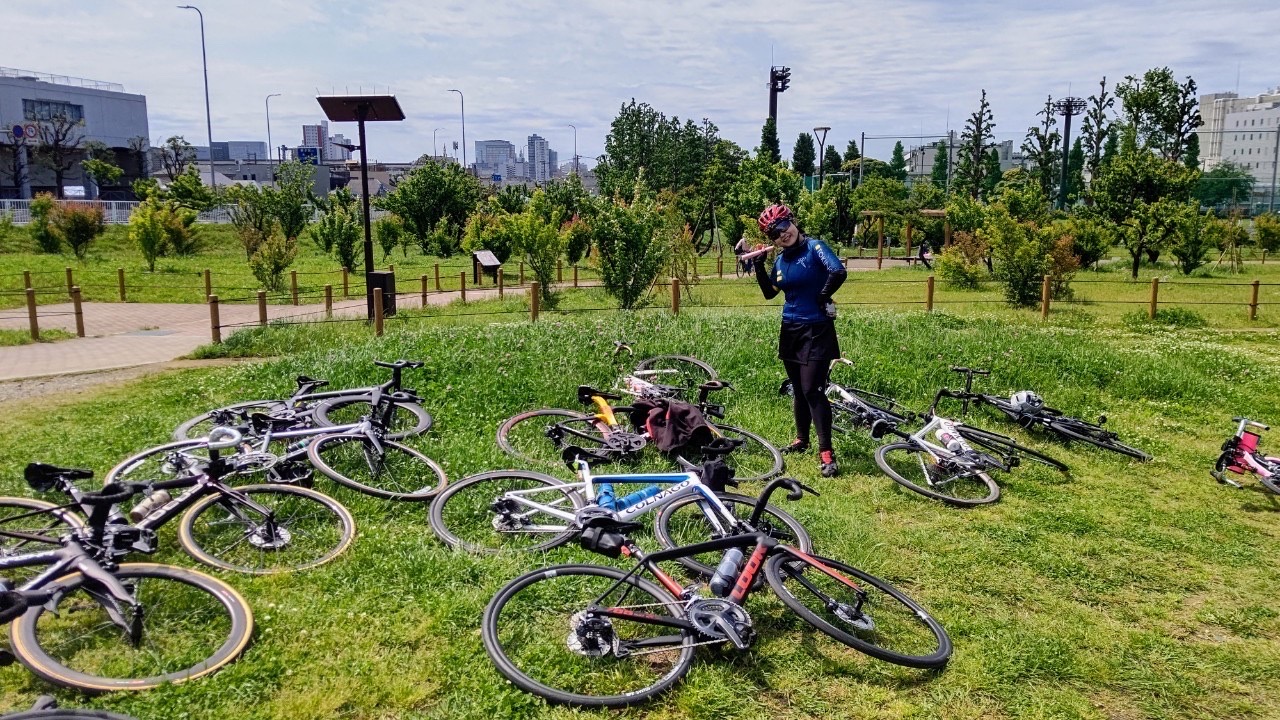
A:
(939, 452)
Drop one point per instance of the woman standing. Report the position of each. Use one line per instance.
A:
(809, 273)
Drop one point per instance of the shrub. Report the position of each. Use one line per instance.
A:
(6, 229)
(273, 257)
(1062, 264)
(631, 255)
(537, 241)
(443, 240)
(147, 231)
(180, 228)
(338, 231)
(1019, 257)
(963, 265)
(1266, 229)
(1139, 320)
(250, 216)
(577, 240)
(1093, 239)
(77, 226)
(487, 231)
(1192, 239)
(389, 232)
(44, 209)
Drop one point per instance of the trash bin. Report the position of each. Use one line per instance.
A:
(387, 281)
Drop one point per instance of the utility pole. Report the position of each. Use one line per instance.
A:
(1066, 107)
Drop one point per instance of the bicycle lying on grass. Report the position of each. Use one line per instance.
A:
(96, 625)
(853, 408)
(13, 604)
(257, 529)
(600, 636)
(1028, 410)
(1240, 455)
(523, 510)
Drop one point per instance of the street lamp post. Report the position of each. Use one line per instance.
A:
(270, 147)
(208, 117)
(822, 148)
(435, 149)
(463, 100)
(1066, 107)
(575, 149)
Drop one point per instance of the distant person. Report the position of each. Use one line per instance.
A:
(808, 273)
(742, 248)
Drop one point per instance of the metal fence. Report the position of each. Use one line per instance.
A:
(117, 212)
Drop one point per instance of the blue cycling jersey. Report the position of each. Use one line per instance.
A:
(801, 276)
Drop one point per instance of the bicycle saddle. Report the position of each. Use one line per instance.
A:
(43, 477)
(572, 453)
(713, 385)
(721, 446)
(304, 381)
(586, 392)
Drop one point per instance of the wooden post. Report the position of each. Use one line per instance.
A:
(559, 271)
(424, 291)
(462, 285)
(720, 268)
(928, 295)
(908, 238)
(71, 282)
(675, 296)
(1155, 294)
(293, 285)
(437, 271)
(880, 243)
(215, 322)
(1264, 257)
(522, 274)
(262, 307)
(1253, 302)
(575, 276)
(1044, 297)
(391, 268)
(75, 303)
(346, 289)
(695, 267)
(26, 279)
(377, 311)
(502, 283)
(328, 301)
(31, 314)
(120, 281)
(535, 297)
(208, 283)
(946, 234)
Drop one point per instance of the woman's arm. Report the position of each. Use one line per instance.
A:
(836, 273)
(764, 281)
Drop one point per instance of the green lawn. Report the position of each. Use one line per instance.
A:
(1121, 591)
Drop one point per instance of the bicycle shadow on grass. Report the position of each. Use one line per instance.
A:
(1262, 500)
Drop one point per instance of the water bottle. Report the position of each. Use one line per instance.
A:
(726, 572)
(604, 496)
(155, 500)
(636, 497)
(950, 437)
(294, 447)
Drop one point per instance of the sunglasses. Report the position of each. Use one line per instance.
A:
(776, 230)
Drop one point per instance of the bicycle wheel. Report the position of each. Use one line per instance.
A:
(1073, 429)
(305, 529)
(915, 469)
(859, 610)
(33, 517)
(188, 625)
(172, 461)
(679, 371)
(409, 418)
(1002, 445)
(505, 510)
(387, 470)
(685, 522)
(538, 436)
(67, 714)
(536, 634)
(200, 425)
(753, 461)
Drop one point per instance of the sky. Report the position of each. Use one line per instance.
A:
(906, 69)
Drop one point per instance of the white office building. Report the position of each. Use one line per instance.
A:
(540, 158)
(1244, 131)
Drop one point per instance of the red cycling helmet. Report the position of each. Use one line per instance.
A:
(772, 215)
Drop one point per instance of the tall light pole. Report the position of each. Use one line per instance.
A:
(822, 148)
(463, 100)
(1066, 107)
(270, 147)
(575, 149)
(435, 149)
(208, 117)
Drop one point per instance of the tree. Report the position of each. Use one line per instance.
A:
(13, 165)
(1109, 151)
(539, 242)
(851, 151)
(898, 163)
(1098, 129)
(58, 143)
(1266, 229)
(1192, 238)
(290, 200)
(1075, 171)
(991, 173)
(149, 229)
(189, 191)
(98, 164)
(250, 216)
(273, 257)
(175, 155)
(78, 225)
(803, 154)
(1191, 155)
(1042, 147)
(769, 147)
(631, 251)
(1226, 184)
(831, 160)
(433, 195)
(938, 175)
(1162, 112)
(339, 228)
(673, 155)
(140, 149)
(978, 134)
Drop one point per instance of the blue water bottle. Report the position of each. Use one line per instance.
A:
(726, 572)
(604, 496)
(637, 497)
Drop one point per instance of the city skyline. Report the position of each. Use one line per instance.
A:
(910, 70)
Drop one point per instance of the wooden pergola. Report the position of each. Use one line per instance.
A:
(879, 217)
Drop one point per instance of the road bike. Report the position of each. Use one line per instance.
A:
(956, 469)
(602, 636)
(308, 407)
(359, 455)
(45, 707)
(256, 529)
(1028, 410)
(853, 408)
(525, 510)
(1240, 455)
(97, 625)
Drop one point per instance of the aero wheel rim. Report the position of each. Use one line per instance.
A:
(301, 532)
(753, 460)
(544, 635)
(945, 479)
(687, 522)
(506, 512)
(388, 470)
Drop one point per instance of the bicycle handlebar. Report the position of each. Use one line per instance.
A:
(969, 371)
(224, 438)
(398, 364)
(1251, 423)
(620, 345)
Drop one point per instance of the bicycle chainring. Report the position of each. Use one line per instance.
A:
(721, 620)
(625, 442)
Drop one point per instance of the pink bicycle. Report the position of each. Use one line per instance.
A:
(1240, 455)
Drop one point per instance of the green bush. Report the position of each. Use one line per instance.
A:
(44, 209)
(1018, 255)
(180, 228)
(963, 265)
(6, 229)
(77, 225)
(577, 236)
(147, 231)
(486, 231)
(273, 257)
(536, 240)
(389, 232)
(1193, 238)
(1139, 320)
(250, 215)
(631, 253)
(1266, 230)
(1092, 238)
(338, 231)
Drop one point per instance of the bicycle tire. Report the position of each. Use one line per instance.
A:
(50, 520)
(965, 490)
(269, 544)
(25, 633)
(1271, 483)
(524, 436)
(448, 521)
(1073, 429)
(404, 473)
(171, 461)
(680, 371)
(756, 460)
(849, 622)
(775, 523)
(66, 714)
(511, 668)
(409, 419)
(1006, 445)
(194, 428)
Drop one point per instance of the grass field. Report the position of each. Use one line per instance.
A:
(1123, 590)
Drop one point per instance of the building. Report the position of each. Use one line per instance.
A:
(100, 111)
(1244, 131)
(495, 157)
(920, 157)
(333, 150)
(315, 135)
(540, 168)
(232, 150)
